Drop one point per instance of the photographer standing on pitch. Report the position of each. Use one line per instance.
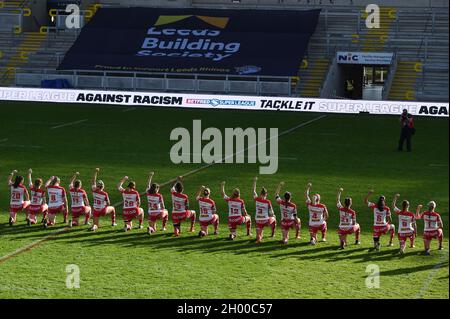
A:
(407, 130)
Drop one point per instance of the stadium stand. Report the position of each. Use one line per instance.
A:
(417, 34)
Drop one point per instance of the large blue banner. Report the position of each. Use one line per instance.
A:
(253, 42)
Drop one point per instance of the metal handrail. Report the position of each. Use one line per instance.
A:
(150, 74)
(390, 78)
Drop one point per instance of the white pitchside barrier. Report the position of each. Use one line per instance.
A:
(233, 102)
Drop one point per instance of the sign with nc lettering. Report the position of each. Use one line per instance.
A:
(367, 58)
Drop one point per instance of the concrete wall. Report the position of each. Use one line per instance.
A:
(148, 3)
(280, 3)
(323, 3)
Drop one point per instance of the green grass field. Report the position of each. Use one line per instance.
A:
(355, 152)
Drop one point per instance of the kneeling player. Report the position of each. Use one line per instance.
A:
(289, 214)
(80, 202)
(20, 199)
(347, 220)
(180, 207)
(407, 228)
(131, 204)
(208, 213)
(57, 201)
(38, 202)
(318, 215)
(102, 205)
(156, 208)
(432, 226)
(237, 214)
(382, 221)
(264, 213)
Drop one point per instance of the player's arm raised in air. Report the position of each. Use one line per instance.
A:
(179, 179)
(222, 190)
(255, 180)
(394, 202)
(197, 195)
(94, 177)
(75, 175)
(30, 179)
(47, 183)
(308, 189)
(10, 177)
(119, 186)
(366, 199)
(150, 177)
(338, 197)
(278, 190)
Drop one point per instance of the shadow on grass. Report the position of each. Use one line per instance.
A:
(403, 271)
(187, 242)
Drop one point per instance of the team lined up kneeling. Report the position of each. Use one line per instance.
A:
(80, 207)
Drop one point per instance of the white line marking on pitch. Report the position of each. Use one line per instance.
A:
(3, 140)
(37, 242)
(129, 109)
(279, 157)
(32, 245)
(21, 146)
(432, 274)
(68, 124)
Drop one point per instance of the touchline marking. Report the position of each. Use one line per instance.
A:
(128, 109)
(32, 245)
(432, 274)
(21, 146)
(279, 157)
(3, 140)
(194, 171)
(438, 165)
(68, 124)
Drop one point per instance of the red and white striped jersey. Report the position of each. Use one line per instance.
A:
(236, 206)
(180, 202)
(17, 195)
(131, 198)
(405, 221)
(380, 216)
(316, 213)
(207, 208)
(101, 198)
(155, 203)
(78, 197)
(346, 217)
(263, 207)
(56, 196)
(288, 210)
(431, 220)
(37, 196)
